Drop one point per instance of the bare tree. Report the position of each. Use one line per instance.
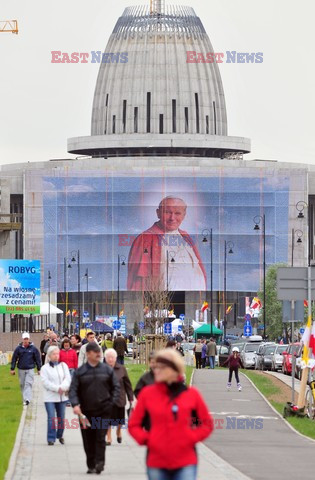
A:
(156, 301)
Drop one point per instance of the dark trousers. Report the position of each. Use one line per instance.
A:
(198, 359)
(121, 359)
(94, 441)
(204, 361)
(235, 370)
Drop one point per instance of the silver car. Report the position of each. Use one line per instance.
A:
(248, 354)
(277, 360)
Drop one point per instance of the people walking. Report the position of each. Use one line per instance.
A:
(171, 407)
(107, 342)
(82, 354)
(93, 392)
(204, 354)
(42, 346)
(198, 351)
(118, 412)
(26, 356)
(180, 349)
(148, 377)
(120, 345)
(68, 356)
(52, 342)
(211, 352)
(76, 343)
(56, 381)
(234, 362)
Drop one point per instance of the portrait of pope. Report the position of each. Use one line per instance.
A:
(166, 252)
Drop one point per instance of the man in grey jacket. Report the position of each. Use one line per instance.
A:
(211, 352)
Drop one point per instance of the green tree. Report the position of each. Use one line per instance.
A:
(274, 324)
(136, 330)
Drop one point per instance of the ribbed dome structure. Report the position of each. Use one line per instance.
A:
(149, 99)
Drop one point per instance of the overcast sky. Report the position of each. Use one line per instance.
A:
(42, 104)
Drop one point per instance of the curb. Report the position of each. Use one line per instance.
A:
(13, 458)
(276, 411)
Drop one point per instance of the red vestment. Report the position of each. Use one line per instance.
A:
(144, 259)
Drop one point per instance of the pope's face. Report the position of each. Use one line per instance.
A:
(171, 214)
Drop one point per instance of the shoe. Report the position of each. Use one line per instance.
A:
(51, 443)
(26, 402)
(99, 467)
(228, 387)
(91, 470)
(239, 388)
(62, 440)
(119, 439)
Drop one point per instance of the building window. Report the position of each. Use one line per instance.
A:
(124, 115)
(161, 123)
(106, 104)
(114, 124)
(215, 119)
(207, 124)
(197, 113)
(148, 112)
(136, 120)
(186, 120)
(174, 115)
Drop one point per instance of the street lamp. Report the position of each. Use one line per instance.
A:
(168, 260)
(208, 233)
(75, 258)
(299, 235)
(257, 221)
(85, 277)
(228, 248)
(121, 262)
(49, 278)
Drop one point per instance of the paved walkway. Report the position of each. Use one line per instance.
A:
(287, 380)
(36, 460)
(274, 451)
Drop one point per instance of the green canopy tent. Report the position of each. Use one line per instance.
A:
(205, 331)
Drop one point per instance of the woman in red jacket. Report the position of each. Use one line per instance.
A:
(178, 419)
(68, 356)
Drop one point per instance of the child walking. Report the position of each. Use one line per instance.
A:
(234, 362)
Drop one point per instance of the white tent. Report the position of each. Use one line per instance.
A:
(44, 309)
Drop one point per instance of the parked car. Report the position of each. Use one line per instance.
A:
(293, 349)
(264, 356)
(248, 354)
(277, 359)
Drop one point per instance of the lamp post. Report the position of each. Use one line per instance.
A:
(85, 277)
(168, 260)
(208, 233)
(121, 262)
(257, 220)
(228, 248)
(75, 258)
(299, 235)
(49, 278)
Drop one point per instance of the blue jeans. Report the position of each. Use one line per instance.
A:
(55, 418)
(121, 359)
(211, 361)
(185, 473)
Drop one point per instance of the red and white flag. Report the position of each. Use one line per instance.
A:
(312, 339)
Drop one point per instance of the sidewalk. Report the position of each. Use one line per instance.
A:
(287, 380)
(36, 460)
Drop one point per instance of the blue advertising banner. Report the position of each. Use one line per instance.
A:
(20, 286)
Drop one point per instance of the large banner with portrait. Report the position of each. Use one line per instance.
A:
(158, 226)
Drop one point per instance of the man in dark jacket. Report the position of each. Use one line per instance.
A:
(120, 345)
(93, 393)
(26, 356)
(148, 377)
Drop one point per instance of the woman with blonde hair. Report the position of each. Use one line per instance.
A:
(56, 381)
(178, 418)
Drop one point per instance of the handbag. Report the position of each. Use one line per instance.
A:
(67, 391)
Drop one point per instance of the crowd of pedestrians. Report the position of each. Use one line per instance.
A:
(89, 374)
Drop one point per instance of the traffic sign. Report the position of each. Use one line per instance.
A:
(247, 323)
(182, 317)
(167, 328)
(116, 324)
(86, 314)
(302, 330)
(77, 325)
(180, 328)
(247, 330)
(141, 325)
(248, 317)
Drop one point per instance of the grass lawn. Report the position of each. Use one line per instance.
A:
(271, 391)
(10, 414)
(135, 371)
